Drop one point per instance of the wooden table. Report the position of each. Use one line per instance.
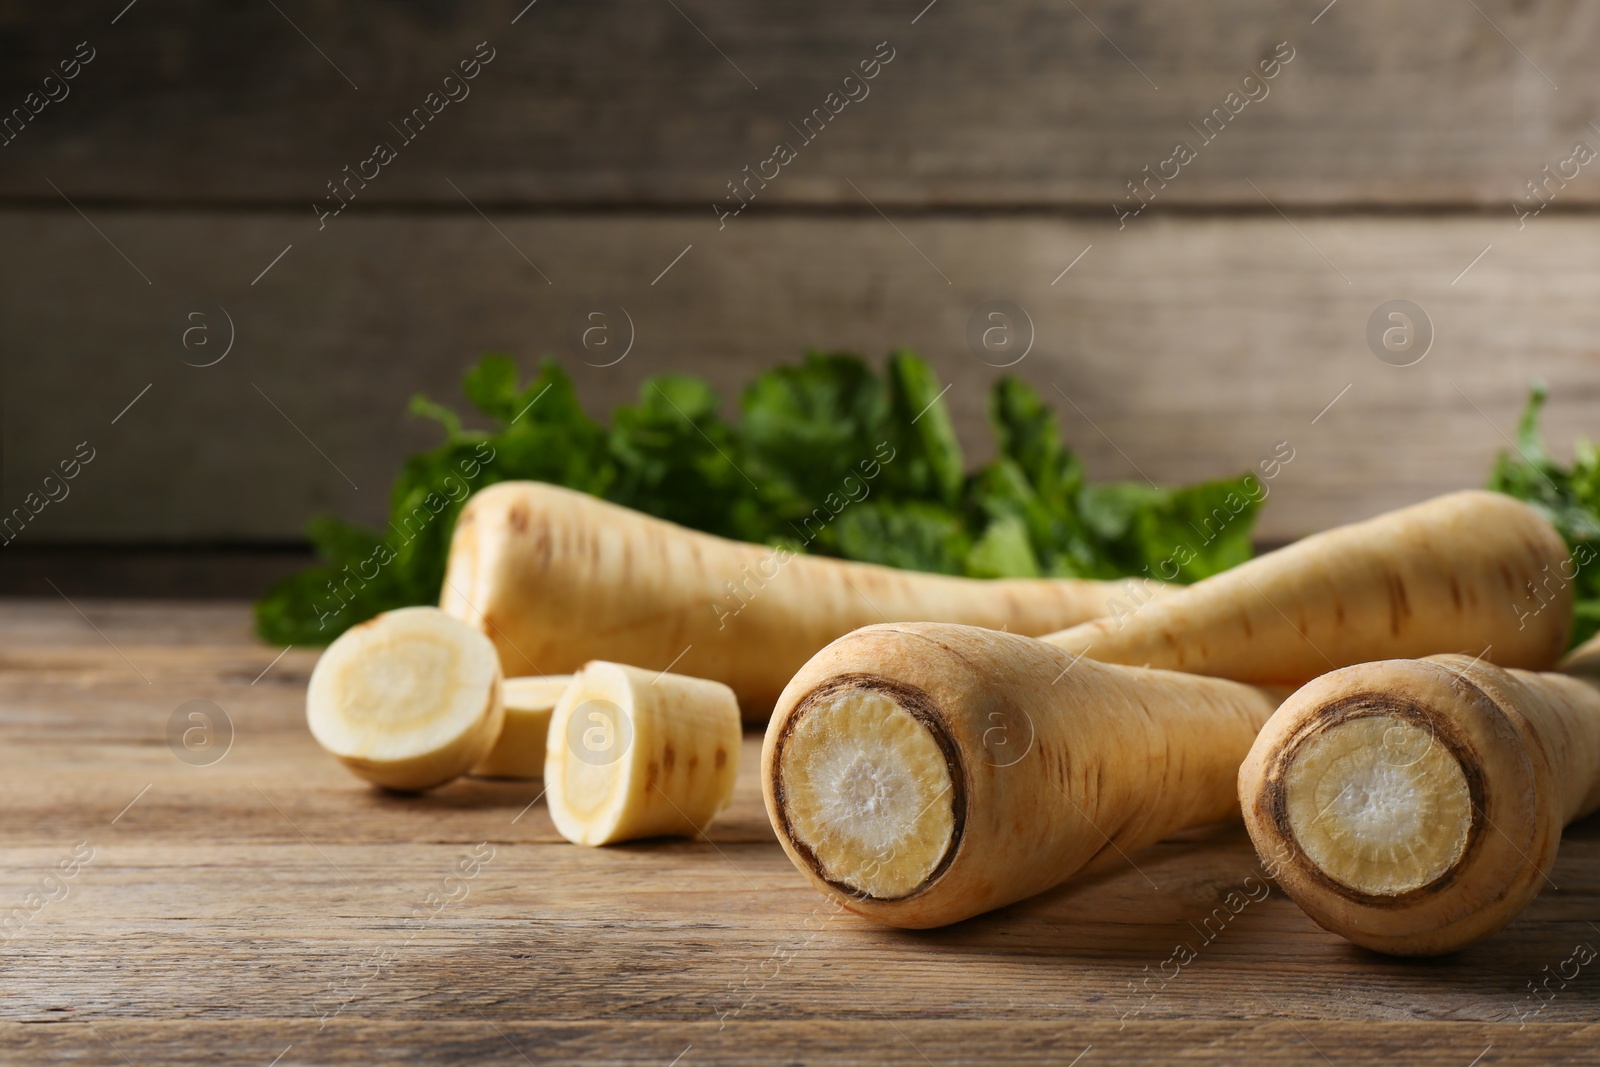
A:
(268, 908)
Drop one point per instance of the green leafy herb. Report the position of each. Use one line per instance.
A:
(827, 457)
(1569, 497)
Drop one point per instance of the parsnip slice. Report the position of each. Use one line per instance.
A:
(408, 700)
(636, 753)
(520, 751)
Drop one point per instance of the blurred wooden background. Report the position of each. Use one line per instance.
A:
(173, 188)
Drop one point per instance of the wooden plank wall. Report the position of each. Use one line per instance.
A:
(179, 181)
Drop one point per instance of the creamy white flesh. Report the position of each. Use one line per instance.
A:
(634, 753)
(1378, 804)
(594, 782)
(409, 700)
(519, 753)
(867, 790)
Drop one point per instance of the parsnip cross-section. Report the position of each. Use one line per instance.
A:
(869, 792)
(408, 700)
(1386, 825)
(636, 753)
(520, 751)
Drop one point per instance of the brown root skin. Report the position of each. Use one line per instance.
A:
(557, 578)
(1056, 765)
(1471, 572)
(1584, 661)
(1528, 746)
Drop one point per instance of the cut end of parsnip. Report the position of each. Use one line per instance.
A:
(865, 792)
(635, 753)
(589, 775)
(1407, 804)
(519, 753)
(408, 700)
(1410, 805)
(1378, 804)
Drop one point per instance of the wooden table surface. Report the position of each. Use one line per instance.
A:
(268, 908)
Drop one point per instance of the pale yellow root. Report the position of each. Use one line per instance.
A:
(556, 578)
(1415, 806)
(637, 753)
(408, 700)
(1472, 572)
(519, 753)
(922, 773)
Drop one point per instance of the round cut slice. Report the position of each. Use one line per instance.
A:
(1379, 804)
(867, 792)
(408, 700)
(634, 753)
(519, 753)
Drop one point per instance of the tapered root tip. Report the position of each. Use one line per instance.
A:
(1377, 802)
(868, 789)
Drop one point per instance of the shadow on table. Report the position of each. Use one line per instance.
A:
(1202, 902)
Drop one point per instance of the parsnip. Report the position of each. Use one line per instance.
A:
(556, 577)
(408, 700)
(635, 753)
(923, 773)
(1459, 573)
(1415, 806)
(519, 753)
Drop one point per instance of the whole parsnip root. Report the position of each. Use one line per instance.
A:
(1415, 806)
(556, 577)
(635, 753)
(519, 753)
(1460, 573)
(923, 773)
(408, 700)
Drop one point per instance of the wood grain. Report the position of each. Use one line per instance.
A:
(1023, 102)
(910, 1043)
(1178, 349)
(261, 905)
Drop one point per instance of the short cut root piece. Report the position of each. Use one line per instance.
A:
(408, 700)
(519, 753)
(634, 753)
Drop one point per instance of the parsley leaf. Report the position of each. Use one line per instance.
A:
(1568, 496)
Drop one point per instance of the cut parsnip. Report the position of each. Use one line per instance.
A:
(557, 577)
(408, 700)
(634, 753)
(1415, 806)
(1460, 573)
(520, 751)
(922, 773)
